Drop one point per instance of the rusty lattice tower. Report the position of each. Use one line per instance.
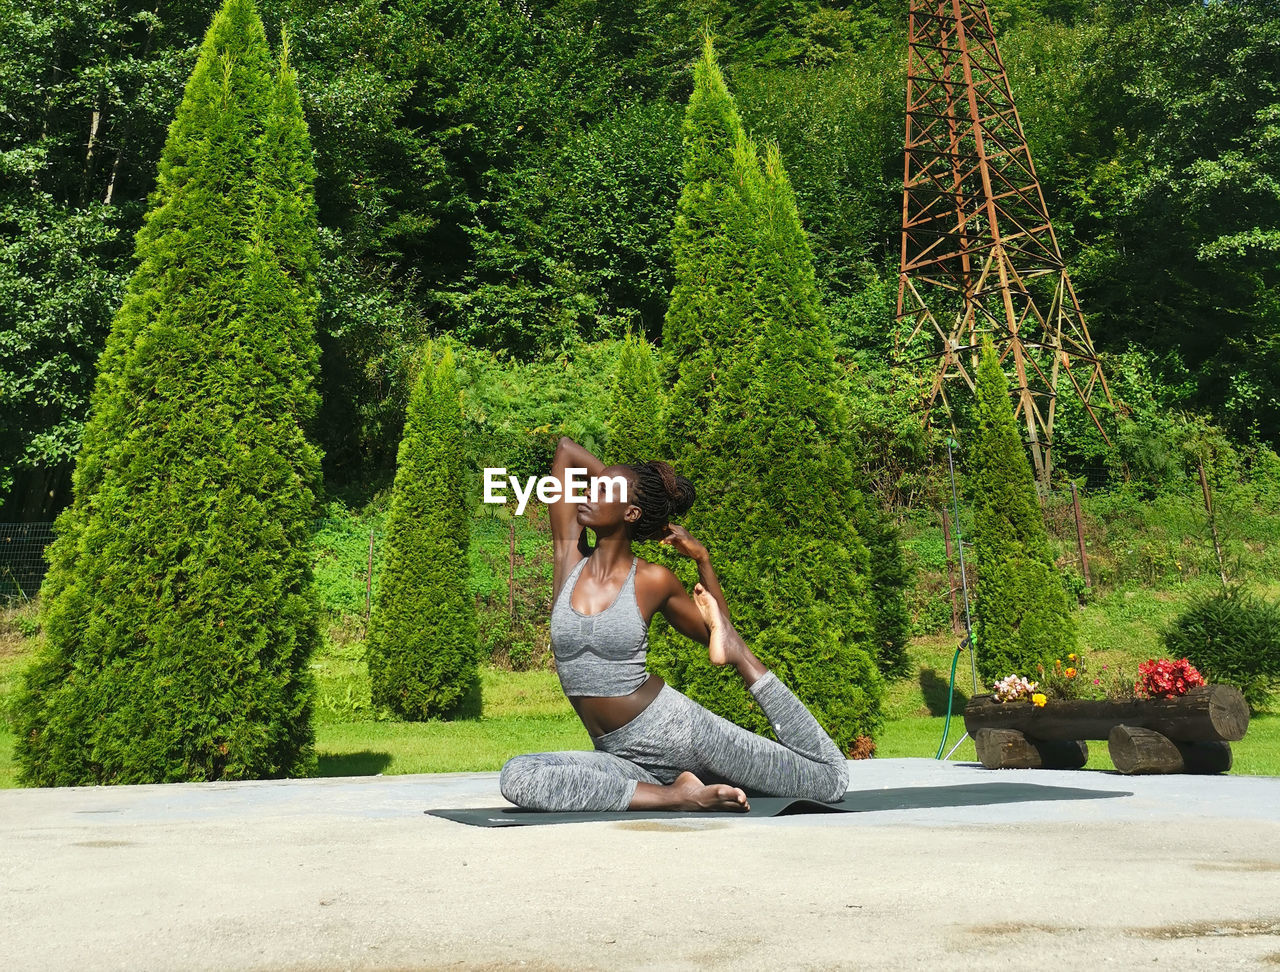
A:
(978, 250)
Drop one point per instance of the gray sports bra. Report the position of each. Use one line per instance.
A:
(599, 654)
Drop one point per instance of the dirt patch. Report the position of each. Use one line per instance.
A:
(663, 826)
(13, 641)
(1250, 866)
(1211, 929)
(1010, 928)
(104, 843)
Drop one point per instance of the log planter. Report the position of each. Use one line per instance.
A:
(1188, 734)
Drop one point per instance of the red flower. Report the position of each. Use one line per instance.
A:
(1166, 679)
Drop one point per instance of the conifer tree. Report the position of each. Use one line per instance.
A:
(178, 610)
(1022, 617)
(422, 644)
(755, 422)
(635, 420)
(707, 316)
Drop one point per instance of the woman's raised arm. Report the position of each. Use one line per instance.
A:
(568, 536)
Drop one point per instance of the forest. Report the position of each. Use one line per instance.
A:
(507, 174)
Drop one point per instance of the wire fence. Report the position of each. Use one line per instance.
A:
(1101, 538)
(1221, 529)
(22, 562)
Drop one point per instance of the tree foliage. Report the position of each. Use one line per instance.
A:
(422, 643)
(508, 173)
(888, 578)
(1160, 143)
(1022, 615)
(87, 89)
(635, 421)
(179, 610)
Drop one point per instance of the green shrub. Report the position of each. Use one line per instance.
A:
(1022, 616)
(513, 623)
(422, 645)
(755, 421)
(1233, 637)
(179, 609)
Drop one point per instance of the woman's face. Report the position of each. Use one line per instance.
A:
(606, 510)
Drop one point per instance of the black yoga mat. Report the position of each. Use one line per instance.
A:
(855, 801)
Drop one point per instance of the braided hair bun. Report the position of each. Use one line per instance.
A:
(661, 494)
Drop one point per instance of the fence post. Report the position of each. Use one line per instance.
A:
(1084, 559)
(951, 579)
(1213, 527)
(368, 582)
(511, 570)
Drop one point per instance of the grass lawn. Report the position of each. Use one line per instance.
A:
(523, 712)
(526, 711)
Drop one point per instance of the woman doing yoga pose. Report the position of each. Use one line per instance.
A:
(654, 747)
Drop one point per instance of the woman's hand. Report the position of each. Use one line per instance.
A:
(683, 542)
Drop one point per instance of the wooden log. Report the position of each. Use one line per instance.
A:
(1208, 713)
(1010, 749)
(1135, 750)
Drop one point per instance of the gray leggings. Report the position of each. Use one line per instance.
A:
(674, 734)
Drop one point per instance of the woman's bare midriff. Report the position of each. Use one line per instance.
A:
(601, 714)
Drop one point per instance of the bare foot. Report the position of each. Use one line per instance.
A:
(726, 645)
(692, 794)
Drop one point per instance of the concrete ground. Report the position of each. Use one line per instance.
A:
(350, 874)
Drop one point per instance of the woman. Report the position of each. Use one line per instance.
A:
(654, 747)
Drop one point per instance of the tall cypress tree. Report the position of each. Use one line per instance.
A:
(755, 421)
(708, 315)
(179, 610)
(422, 644)
(1021, 607)
(635, 418)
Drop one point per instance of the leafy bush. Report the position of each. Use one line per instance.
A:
(888, 579)
(515, 412)
(514, 630)
(340, 546)
(1233, 637)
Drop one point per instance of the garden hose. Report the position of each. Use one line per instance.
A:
(951, 694)
(952, 444)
